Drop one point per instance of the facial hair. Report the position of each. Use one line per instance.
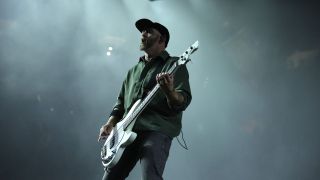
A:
(148, 43)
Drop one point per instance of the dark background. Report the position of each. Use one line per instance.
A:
(255, 85)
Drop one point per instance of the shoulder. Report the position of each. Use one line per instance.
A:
(136, 67)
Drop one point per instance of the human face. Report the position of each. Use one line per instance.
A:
(149, 38)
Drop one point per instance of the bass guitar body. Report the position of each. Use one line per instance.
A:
(120, 137)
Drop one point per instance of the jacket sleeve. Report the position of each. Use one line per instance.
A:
(182, 86)
(118, 108)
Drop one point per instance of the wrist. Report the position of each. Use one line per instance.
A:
(174, 98)
(112, 121)
(171, 94)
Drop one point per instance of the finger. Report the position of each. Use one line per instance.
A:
(165, 80)
(102, 138)
(102, 133)
(161, 82)
(159, 77)
(162, 74)
(166, 77)
(171, 76)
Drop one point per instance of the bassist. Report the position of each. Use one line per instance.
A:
(160, 121)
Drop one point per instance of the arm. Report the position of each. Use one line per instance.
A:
(176, 89)
(106, 129)
(174, 98)
(115, 116)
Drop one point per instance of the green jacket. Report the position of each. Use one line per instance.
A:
(157, 116)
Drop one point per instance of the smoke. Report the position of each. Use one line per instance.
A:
(254, 80)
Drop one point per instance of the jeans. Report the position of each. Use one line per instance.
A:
(151, 148)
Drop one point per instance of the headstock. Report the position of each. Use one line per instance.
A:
(184, 58)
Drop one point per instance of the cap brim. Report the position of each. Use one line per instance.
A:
(143, 24)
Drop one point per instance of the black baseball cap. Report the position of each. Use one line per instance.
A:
(143, 24)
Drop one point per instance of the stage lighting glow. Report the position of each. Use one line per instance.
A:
(108, 53)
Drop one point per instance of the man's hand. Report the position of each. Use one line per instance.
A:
(166, 82)
(105, 130)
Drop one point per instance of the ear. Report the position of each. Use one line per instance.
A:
(162, 39)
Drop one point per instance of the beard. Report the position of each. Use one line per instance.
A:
(148, 43)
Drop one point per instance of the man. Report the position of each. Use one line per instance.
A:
(161, 119)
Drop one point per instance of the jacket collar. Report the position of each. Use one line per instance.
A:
(163, 56)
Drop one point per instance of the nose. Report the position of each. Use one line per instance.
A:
(144, 33)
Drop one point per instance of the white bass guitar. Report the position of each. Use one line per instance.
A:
(122, 135)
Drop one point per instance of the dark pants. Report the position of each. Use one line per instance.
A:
(151, 148)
